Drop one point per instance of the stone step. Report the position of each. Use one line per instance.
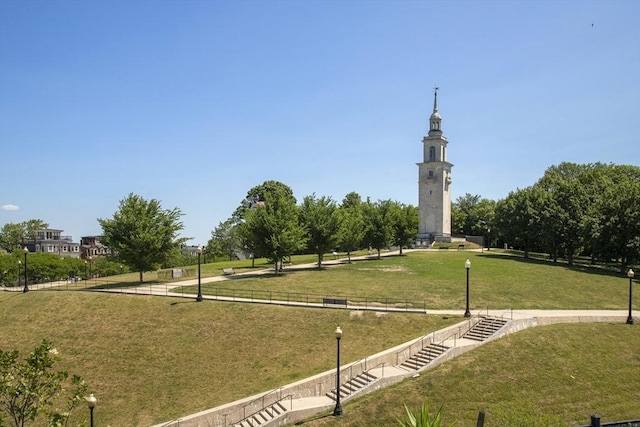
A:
(424, 356)
(354, 385)
(262, 417)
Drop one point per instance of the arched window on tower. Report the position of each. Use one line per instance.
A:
(432, 154)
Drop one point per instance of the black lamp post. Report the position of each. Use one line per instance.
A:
(630, 275)
(26, 286)
(199, 297)
(90, 265)
(19, 272)
(467, 266)
(85, 270)
(338, 409)
(91, 403)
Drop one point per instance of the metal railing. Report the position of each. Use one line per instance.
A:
(257, 405)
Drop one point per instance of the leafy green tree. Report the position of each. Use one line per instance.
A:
(618, 235)
(142, 233)
(32, 389)
(272, 227)
(224, 241)
(378, 230)
(12, 235)
(321, 222)
(571, 198)
(352, 229)
(472, 215)
(404, 224)
(518, 218)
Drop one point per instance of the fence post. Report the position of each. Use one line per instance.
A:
(595, 420)
(480, 422)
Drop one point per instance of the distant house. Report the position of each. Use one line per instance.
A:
(90, 246)
(51, 241)
(189, 250)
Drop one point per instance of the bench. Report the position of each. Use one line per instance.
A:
(227, 271)
(334, 301)
(461, 247)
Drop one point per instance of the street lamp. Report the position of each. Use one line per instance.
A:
(26, 286)
(90, 265)
(467, 266)
(91, 403)
(630, 275)
(338, 409)
(199, 297)
(85, 270)
(19, 272)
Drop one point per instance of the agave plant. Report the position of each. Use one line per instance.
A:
(421, 417)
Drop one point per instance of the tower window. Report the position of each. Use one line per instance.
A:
(432, 154)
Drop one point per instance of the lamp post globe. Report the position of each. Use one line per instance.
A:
(338, 409)
(26, 285)
(91, 403)
(199, 297)
(467, 266)
(630, 275)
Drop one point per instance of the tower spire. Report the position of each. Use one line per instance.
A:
(435, 98)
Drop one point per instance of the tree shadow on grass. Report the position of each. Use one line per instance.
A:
(577, 267)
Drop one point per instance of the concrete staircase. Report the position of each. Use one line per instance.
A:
(263, 417)
(486, 327)
(354, 385)
(424, 357)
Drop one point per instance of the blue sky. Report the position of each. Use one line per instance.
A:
(195, 102)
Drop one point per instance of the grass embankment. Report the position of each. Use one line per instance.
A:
(555, 375)
(151, 359)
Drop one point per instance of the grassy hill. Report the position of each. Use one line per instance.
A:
(151, 359)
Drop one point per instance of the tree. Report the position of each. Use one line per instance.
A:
(378, 229)
(518, 218)
(12, 235)
(271, 226)
(224, 240)
(404, 224)
(321, 222)
(472, 215)
(33, 388)
(142, 233)
(352, 229)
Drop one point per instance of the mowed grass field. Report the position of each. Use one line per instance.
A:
(152, 359)
(437, 280)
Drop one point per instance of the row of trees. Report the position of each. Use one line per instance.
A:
(43, 267)
(572, 210)
(269, 223)
(590, 210)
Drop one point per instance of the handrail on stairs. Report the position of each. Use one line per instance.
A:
(289, 396)
(410, 346)
(262, 405)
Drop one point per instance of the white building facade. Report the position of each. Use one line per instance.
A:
(434, 184)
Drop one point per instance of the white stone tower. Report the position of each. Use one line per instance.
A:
(434, 183)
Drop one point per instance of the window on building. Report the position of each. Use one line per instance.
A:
(432, 154)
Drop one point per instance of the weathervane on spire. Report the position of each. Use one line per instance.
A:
(435, 98)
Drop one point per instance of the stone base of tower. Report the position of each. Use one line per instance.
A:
(427, 239)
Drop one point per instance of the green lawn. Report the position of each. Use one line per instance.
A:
(437, 281)
(151, 359)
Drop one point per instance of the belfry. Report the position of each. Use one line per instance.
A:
(434, 183)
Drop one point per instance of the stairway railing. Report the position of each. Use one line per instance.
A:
(248, 417)
(257, 403)
(419, 343)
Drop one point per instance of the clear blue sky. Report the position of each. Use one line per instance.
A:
(195, 102)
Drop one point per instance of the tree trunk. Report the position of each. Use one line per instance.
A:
(140, 277)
